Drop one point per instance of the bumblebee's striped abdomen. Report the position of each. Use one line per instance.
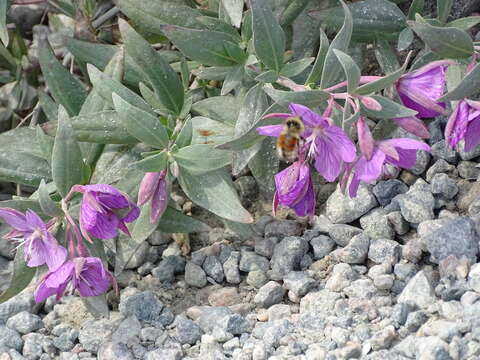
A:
(287, 147)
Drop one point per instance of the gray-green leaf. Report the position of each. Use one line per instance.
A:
(468, 86)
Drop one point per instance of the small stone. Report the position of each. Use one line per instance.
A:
(166, 317)
(9, 339)
(398, 223)
(159, 238)
(198, 257)
(224, 297)
(474, 277)
(416, 205)
(412, 251)
(287, 256)
(194, 275)
(355, 252)
(128, 329)
(441, 150)
(250, 261)
(278, 312)
(265, 246)
(432, 348)
(215, 235)
(32, 346)
(94, 333)
(25, 323)
(421, 163)
(405, 270)
(234, 324)
(145, 306)
(257, 278)
(443, 185)
(322, 246)
(282, 228)
(399, 314)
(418, 291)
(187, 332)
(439, 167)
(214, 268)
(269, 294)
(164, 354)
(230, 268)
(22, 302)
(114, 350)
(384, 282)
(456, 237)
(306, 262)
(468, 170)
(468, 155)
(383, 338)
(341, 233)
(315, 352)
(384, 251)
(146, 268)
(385, 191)
(376, 225)
(343, 209)
(210, 317)
(225, 251)
(341, 277)
(168, 267)
(299, 282)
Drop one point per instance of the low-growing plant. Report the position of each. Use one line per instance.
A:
(224, 83)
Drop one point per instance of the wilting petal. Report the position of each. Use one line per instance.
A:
(371, 103)
(309, 117)
(147, 187)
(365, 139)
(277, 115)
(472, 137)
(270, 130)
(413, 126)
(14, 218)
(341, 143)
(370, 170)
(159, 202)
(457, 124)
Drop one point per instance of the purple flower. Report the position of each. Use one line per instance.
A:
(294, 189)
(104, 210)
(329, 145)
(86, 274)
(40, 247)
(464, 123)
(154, 187)
(400, 152)
(420, 89)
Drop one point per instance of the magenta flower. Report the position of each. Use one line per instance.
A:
(86, 274)
(154, 187)
(464, 123)
(400, 152)
(329, 145)
(40, 247)
(104, 210)
(420, 89)
(294, 189)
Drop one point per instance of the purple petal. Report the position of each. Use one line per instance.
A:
(15, 219)
(472, 138)
(34, 220)
(35, 252)
(94, 280)
(42, 292)
(102, 226)
(327, 160)
(353, 187)
(370, 170)
(60, 276)
(457, 124)
(341, 143)
(306, 206)
(406, 143)
(270, 130)
(57, 255)
(406, 158)
(309, 117)
(365, 139)
(147, 187)
(133, 214)
(291, 183)
(422, 105)
(159, 202)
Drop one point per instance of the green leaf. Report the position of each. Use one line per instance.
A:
(49, 108)
(268, 36)
(405, 39)
(467, 87)
(341, 41)
(292, 11)
(382, 83)
(23, 168)
(145, 127)
(184, 137)
(214, 191)
(221, 108)
(390, 109)
(371, 19)
(235, 52)
(154, 163)
(317, 69)
(4, 5)
(174, 221)
(106, 86)
(67, 163)
(464, 23)
(64, 87)
(45, 143)
(310, 98)
(21, 278)
(21, 139)
(234, 10)
(269, 76)
(201, 158)
(165, 82)
(48, 206)
(297, 67)
(201, 45)
(23, 205)
(447, 42)
(208, 131)
(264, 165)
(386, 57)
(443, 9)
(233, 79)
(351, 70)
(415, 7)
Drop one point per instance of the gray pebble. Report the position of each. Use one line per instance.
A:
(269, 294)
(194, 275)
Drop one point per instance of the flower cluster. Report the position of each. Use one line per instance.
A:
(103, 211)
(334, 155)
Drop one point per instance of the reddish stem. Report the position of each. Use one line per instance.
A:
(363, 80)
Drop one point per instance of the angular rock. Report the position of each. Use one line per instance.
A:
(441, 150)
(342, 275)
(257, 278)
(187, 332)
(283, 228)
(440, 166)
(355, 252)
(342, 209)
(468, 170)
(22, 302)
(114, 351)
(250, 261)
(230, 268)
(385, 191)
(269, 294)
(376, 225)
(9, 339)
(25, 323)
(164, 354)
(443, 185)
(168, 267)
(383, 251)
(418, 291)
(342, 234)
(398, 223)
(145, 306)
(299, 282)
(322, 246)
(416, 205)
(194, 275)
(214, 268)
(287, 256)
(94, 333)
(265, 246)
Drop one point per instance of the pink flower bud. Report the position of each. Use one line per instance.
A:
(365, 139)
(371, 103)
(414, 126)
